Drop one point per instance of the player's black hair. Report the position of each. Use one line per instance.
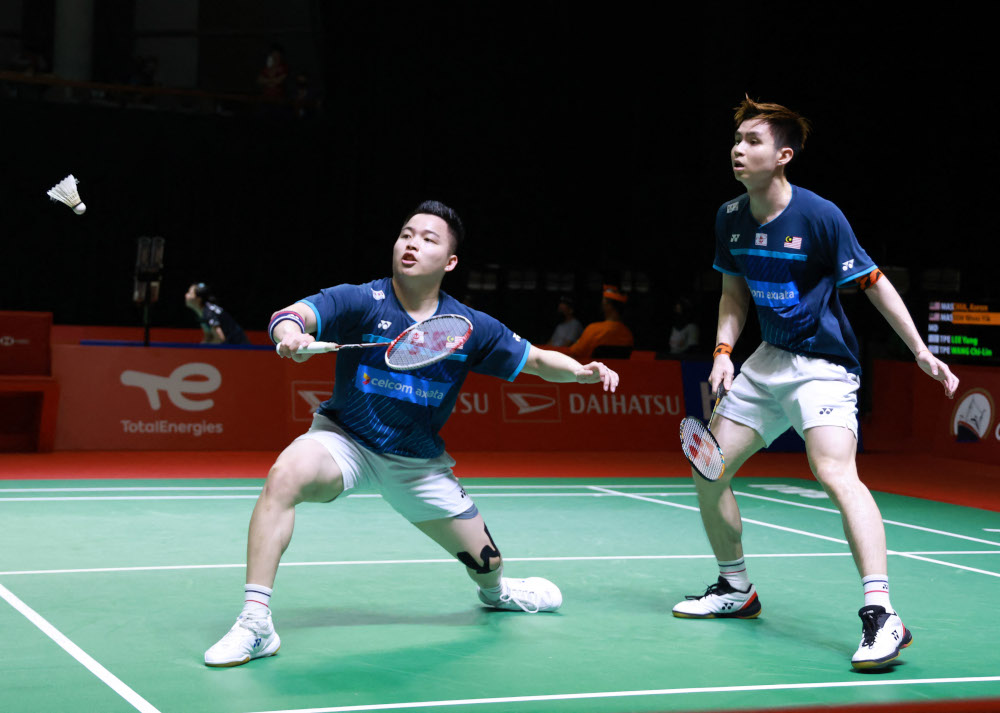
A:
(445, 213)
(788, 127)
(204, 292)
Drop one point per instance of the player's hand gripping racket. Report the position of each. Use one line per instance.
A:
(700, 446)
(421, 344)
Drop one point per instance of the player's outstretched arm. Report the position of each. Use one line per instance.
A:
(289, 333)
(733, 306)
(887, 300)
(561, 368)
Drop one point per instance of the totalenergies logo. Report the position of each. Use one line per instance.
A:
(973, 416)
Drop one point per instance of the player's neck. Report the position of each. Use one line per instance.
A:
(767, 200)
(419, 299)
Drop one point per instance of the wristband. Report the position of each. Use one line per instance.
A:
(722, 348)
(286, 316)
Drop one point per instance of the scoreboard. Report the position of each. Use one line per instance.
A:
(965, 332)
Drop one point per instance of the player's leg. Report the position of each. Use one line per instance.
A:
(469, 541)
(306, 471)
(732, 595)
(832, 452)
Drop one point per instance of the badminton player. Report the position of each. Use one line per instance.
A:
(380, 428)
(788, 250)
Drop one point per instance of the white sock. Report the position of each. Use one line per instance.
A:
(257, 599)
(494, 593)
(735, 573)
(876, 588)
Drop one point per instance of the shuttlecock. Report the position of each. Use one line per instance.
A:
(65, 192)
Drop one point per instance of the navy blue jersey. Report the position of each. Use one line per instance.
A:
(793, 266)
(401, 412)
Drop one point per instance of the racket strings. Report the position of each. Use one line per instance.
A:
(428, 342)
(701, 448)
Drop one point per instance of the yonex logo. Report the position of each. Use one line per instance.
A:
(517, 338)
(378, 294)
(384, 325)
(256, 643)
(177, 384)
(848, 265)
(826, 410)
(734, 237)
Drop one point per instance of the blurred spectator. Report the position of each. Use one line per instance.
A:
(305, 98)
(569, 328)
(273, 78)
(684, 328)
(144, 70)
(611, 332)
(28, 60)
(218, 326)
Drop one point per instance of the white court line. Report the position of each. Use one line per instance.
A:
(990, 529)
(888, 522)
(632, 694)
(581, 558)
(125, 490)
(466, 484)
(815, 535)
(94, 498)
(112, 681)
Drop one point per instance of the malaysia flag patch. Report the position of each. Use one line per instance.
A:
(793, 243)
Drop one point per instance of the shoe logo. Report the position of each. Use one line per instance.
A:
(826, 410)
(895, 635)
(256, 642)
(727, 605)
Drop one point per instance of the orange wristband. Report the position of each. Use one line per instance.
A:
(722, 348)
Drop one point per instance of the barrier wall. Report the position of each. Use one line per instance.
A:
(127, 398)
(135, 398)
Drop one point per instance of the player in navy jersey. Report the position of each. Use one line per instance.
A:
(788, 250)
(380, 428)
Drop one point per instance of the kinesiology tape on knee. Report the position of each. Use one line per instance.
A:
(489, 552)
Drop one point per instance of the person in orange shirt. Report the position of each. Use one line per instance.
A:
(611, 332)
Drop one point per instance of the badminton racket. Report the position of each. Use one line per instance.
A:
(699, 445)
(421, 344)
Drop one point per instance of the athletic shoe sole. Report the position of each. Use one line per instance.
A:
(885, 660)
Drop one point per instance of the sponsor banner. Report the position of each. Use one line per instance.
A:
(967, 427)
(534, 415)
(135, 398)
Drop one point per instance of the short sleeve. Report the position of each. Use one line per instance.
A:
(851, 260)
(724, 261)
(499, 351)
(338, 310)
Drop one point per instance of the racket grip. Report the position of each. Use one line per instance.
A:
(318, 348)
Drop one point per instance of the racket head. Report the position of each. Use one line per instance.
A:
(428, 342)
(701, 449)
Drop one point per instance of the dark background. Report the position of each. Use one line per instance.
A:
(588, 141)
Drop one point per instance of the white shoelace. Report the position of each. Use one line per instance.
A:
(524, 598)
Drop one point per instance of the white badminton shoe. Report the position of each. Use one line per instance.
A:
(883, 636)
(720, 601)
(252, 637)
(532, 595)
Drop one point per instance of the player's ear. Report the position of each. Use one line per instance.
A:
(451, 264)
(785, 155)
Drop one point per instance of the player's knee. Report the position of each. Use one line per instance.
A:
(283, 483)
(488, 560)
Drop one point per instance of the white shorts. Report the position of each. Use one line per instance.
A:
(776, 389)
(419, 489)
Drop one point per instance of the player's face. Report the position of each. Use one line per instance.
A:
(423, 248)
(754, 155)
(190, 298)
